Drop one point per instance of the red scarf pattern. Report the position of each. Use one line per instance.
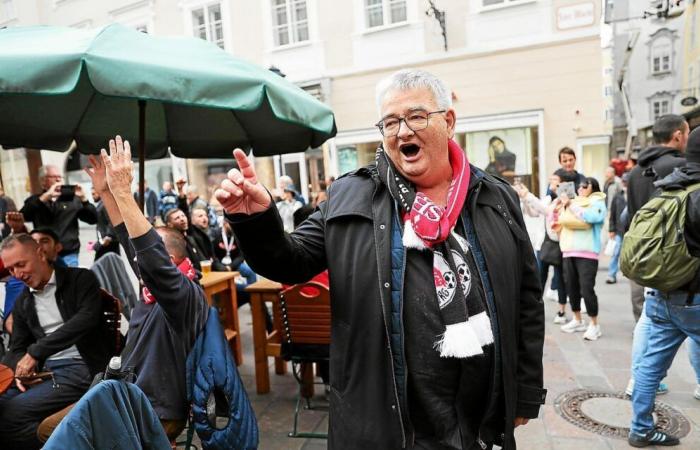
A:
(185, 267)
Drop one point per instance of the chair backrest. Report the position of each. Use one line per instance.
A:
(306, 314)
(111, 316)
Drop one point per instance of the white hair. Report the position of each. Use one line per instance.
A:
(191, 189)
(406, 79)
(43, 169)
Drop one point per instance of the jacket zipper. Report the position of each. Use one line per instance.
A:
(388, 336)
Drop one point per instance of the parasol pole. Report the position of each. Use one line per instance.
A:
(142, 150)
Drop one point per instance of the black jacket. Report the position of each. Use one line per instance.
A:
(685, 176)
(654, 163)
(617, 206)
(62, 217)
(350, 234)
(78, 299)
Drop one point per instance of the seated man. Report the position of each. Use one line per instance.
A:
(57, 328)
(176, 219)
(164, 326)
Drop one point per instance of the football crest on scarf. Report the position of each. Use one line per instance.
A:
(446, 280)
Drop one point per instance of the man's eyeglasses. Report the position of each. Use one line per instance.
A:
(415, 121)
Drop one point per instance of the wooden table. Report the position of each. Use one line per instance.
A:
(266, 345)
(224, 282)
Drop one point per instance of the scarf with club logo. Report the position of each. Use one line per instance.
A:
(430, 227)
(185, 267)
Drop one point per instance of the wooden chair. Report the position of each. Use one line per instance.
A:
(306, 320)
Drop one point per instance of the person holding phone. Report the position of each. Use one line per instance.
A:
(59, 207)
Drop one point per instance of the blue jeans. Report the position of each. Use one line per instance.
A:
(22, 412)
(614, 260)
(670, 322)
(69, 260)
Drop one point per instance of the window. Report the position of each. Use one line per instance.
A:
(290, 23)
(487, 3)
(661, 55)
(7, 10)
(660, 107)
(693, 27)
(207, 24)
(384, 12)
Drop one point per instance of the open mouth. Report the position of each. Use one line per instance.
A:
(409, 150)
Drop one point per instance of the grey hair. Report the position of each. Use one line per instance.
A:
(192, 189)
(18, 239)
(406, 79)
(42, 170)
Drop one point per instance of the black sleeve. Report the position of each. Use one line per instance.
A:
(286, 258)
(612, 221)
(88, 316)
(123, 237)
(34, 210)
(179, 297)
(692, 224)
(531, 393)
(183, 206)
(87, 213)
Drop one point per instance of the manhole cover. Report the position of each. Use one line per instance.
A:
(608, 413)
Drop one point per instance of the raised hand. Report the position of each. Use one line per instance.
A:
(119, 167)
(240, 192)
(51, 193)
(98, 174)
(15, 220)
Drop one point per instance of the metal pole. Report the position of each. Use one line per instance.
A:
(142, 150)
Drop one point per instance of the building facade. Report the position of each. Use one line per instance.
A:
(527, 76)
(649, 59)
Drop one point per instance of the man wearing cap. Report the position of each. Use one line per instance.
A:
(437, 316)
(673, 316)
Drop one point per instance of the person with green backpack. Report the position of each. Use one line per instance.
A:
(662, 252)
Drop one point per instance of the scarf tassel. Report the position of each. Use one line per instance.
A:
(465, 339)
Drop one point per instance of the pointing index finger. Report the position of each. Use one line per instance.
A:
(243, 164)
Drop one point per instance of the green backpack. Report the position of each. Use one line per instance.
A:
(654, 253)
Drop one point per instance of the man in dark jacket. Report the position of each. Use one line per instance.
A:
(6, 204)
(106, 237)
(150, 203)
(60, 211)
(616, 227)
(655, 162)
(673, 316)
(58, 328)
(164, 326)
(437, 335)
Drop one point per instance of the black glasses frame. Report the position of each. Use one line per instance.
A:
(380, 124)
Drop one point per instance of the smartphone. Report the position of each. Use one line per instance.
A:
(67, 192)
(567, 188)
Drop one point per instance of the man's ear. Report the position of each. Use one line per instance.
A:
(451, 120)
(59, 247)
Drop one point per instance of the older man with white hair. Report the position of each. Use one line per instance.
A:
(59, 207)
(437, 317)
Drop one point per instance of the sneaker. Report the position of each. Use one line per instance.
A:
(573, 326)
(552, 295)
(560, 318)
(661, 390)
(610, 280)
(696, 393)
(592, 333)
(653, 437)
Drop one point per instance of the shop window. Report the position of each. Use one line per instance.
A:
(509, 153)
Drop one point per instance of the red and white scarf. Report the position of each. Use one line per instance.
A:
(428, 226)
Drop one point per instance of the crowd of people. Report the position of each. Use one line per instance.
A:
(432, 273)
(572, 245)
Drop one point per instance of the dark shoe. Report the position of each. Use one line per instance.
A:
(653, 437)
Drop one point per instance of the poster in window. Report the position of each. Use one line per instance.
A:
(506, 153)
